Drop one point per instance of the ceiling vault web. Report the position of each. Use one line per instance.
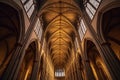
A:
(59, 17)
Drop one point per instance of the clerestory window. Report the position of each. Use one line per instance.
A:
(29, 7)
(91, 7)
(82, 29)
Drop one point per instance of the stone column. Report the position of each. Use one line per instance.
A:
(10, 67)
(88, 71)
(112, 63)
(78, 72)
(36, 64)
(97, 71)
(14, 64)
(35, 70)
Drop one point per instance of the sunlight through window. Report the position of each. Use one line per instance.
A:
(91, 7)
(59, 73)
(29, 7)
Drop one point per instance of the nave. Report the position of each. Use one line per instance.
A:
(59, 39)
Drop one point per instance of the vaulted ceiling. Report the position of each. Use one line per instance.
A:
(60, 18)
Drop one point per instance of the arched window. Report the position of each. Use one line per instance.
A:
(91, 7)
(29, 6)
(59, 73)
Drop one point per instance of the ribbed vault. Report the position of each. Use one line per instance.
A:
(59, 17)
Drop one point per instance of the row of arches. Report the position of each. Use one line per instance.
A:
(32, 63)
(108, 35)
(95, 62)
(92, 57)
(12, 33)
(92, 65)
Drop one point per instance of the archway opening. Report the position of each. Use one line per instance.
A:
(110, 29)
(9, 34)
(27, 63)
(96, 62)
